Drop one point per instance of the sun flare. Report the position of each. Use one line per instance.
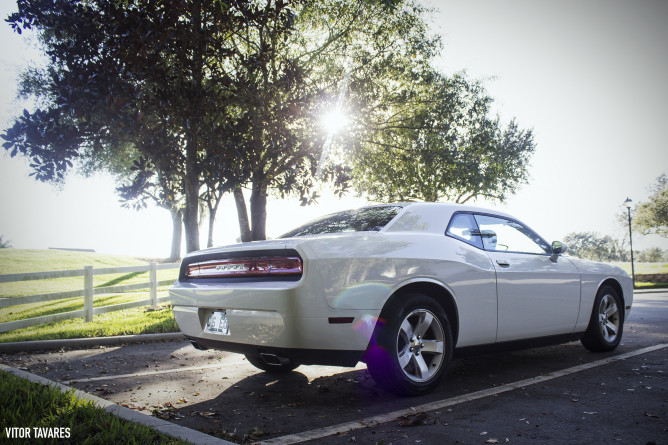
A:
(335, 121)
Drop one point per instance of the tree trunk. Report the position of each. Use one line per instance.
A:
(209, 239)
(242, 212)
(258, 203)
(177, 231)
(192, 184)
(213, 210)
(190, 215)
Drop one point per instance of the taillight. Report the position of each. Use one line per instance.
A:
(246, 267)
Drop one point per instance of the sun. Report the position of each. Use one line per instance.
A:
(335, 121)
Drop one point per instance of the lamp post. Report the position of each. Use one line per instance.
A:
(628, 203)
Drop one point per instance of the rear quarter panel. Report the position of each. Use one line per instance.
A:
(362, 271)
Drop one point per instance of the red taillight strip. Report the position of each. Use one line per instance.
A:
(246, 267)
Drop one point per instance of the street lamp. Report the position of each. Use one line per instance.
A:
(628, 203)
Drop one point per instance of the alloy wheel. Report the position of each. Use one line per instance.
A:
(420, 345)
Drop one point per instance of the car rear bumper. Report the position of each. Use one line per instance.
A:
(301, 356)
(339, 339)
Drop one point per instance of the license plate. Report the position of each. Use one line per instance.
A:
(217, 324)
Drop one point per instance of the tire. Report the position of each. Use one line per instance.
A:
(412, 349)
(286, 365)
(606, 323)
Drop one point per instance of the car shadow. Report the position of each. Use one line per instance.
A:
(263, 405)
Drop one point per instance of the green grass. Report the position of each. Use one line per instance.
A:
(125, 322)
(646, 285)
(27, 405)
(40, 309)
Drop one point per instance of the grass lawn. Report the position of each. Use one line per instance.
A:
(140, 320)
(25, 404)
(644, 285)
(129, 321)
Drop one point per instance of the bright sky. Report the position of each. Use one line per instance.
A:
(588, 77)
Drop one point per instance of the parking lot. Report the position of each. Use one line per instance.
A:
(560, 394)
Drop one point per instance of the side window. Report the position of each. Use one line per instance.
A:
(463, 227)
(500, 234)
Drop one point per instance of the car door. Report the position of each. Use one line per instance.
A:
(537, 297)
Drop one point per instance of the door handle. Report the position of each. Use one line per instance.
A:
(503, 263)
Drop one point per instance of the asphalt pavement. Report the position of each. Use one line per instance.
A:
(559, 394)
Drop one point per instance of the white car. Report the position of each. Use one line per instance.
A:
(400, 287)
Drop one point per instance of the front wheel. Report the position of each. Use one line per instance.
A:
(412, 348)
(606, 323)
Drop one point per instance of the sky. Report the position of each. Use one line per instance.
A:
(588, 77)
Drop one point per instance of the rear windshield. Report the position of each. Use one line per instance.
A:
(368, 219)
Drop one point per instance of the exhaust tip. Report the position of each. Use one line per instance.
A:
(274, 360)
(197, 345)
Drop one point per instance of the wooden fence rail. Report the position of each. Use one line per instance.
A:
(87, 293)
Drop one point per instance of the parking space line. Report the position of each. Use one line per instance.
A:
(389, 417)
(145, 373)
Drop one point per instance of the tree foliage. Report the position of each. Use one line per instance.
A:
(652, 216)
(596, 247)
(651, 255)
(4, 244)
(225, 95)
(442, 144)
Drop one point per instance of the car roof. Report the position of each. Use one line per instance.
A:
(431, 217)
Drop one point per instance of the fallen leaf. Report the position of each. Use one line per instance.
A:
(165, 411)
(654, 416)
(416, 419)
(204, 413)
(256, 432)
(492, 441)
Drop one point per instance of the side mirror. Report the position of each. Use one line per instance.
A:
(558, 248)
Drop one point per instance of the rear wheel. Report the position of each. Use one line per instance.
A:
(281, 366)
(606, 323)
(413, 348)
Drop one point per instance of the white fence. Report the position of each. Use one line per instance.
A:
(87, 293)
(642, 268)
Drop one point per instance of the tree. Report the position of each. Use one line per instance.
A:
(652, 216)
(230, 94)
(442, 145)
(286, 79)
(593, 246)
(651, 255)
(140, 184)
(176, 79)
(4, 244)
(144, 73)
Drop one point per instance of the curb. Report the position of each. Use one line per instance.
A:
(48, 345)
(168, 428)
(655, 290)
